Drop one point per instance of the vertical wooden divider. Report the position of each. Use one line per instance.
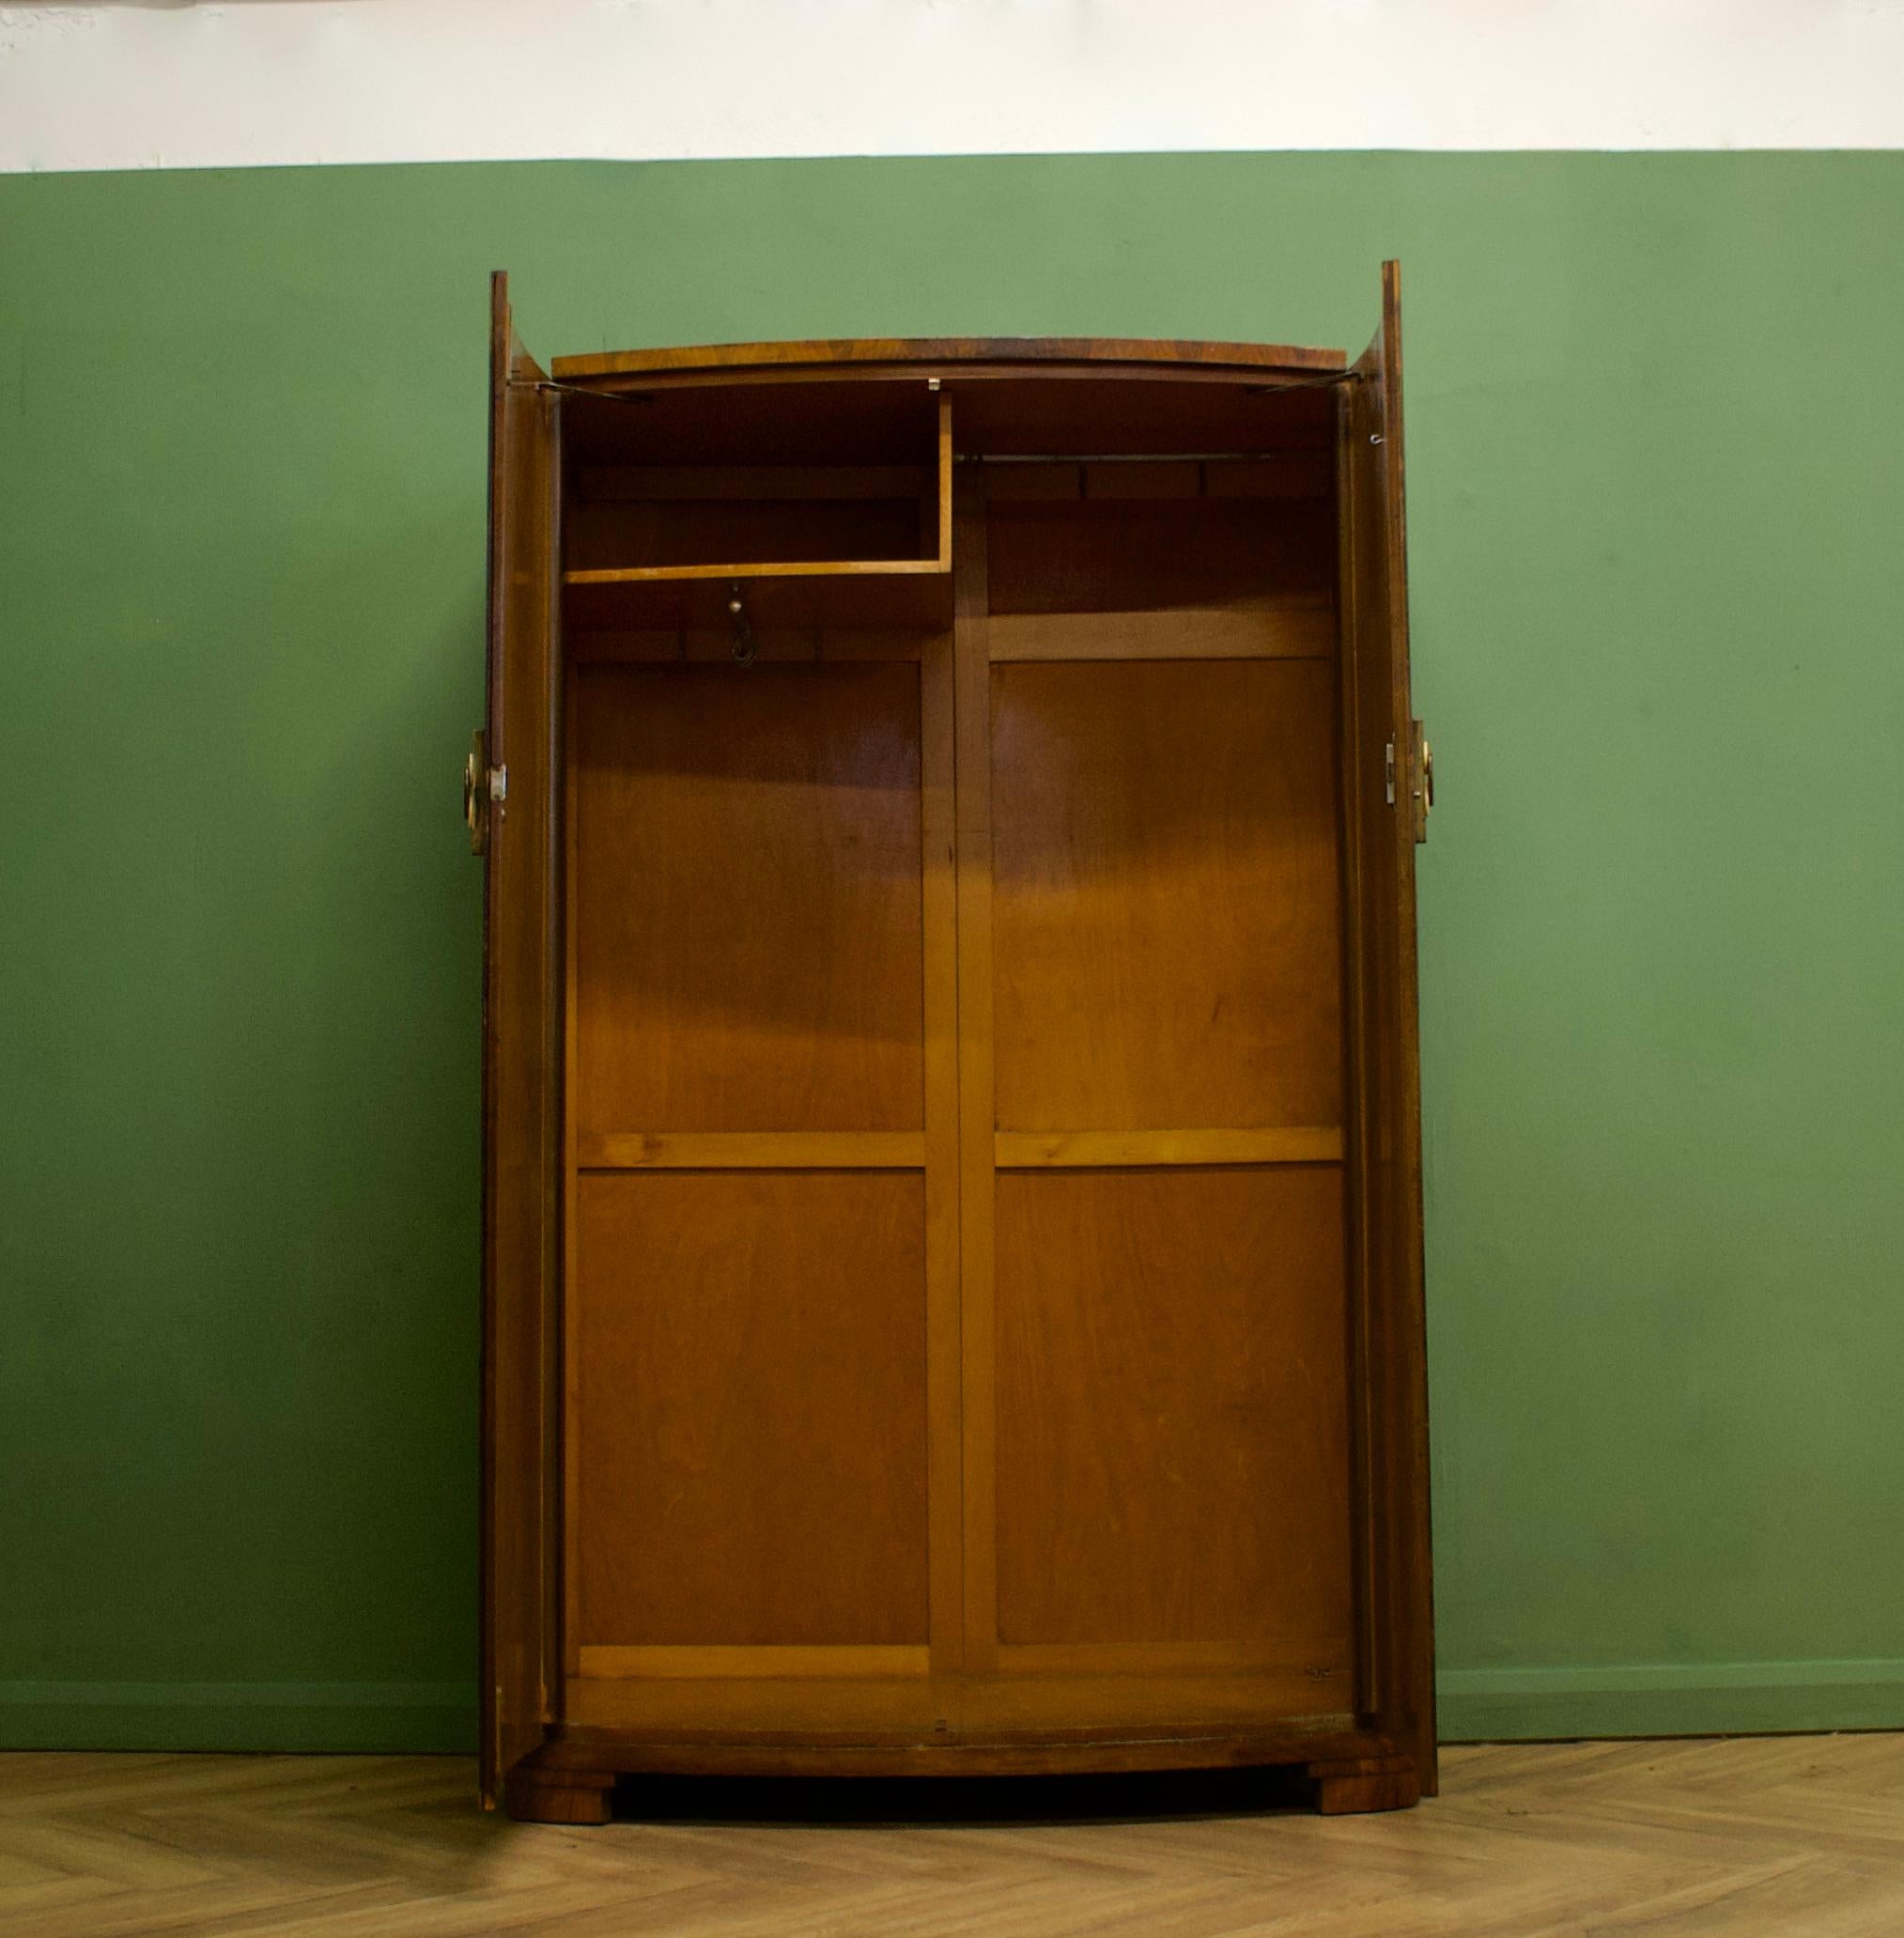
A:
(570, 1570)
(977, 1126)
(938, 907)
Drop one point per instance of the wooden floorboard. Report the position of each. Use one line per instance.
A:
(1696, 1838)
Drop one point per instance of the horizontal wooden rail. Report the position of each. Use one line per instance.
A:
(1281, 632)
(1323, 1660)
(1297, 1143)
(774, 568)
(750, 1150)
(762, 1659)
(683, 646)
(960, 356)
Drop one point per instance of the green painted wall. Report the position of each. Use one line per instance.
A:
(1659, 597)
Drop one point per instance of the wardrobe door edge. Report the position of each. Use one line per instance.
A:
(515, 820)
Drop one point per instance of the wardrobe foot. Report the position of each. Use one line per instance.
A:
(1364, 1783)
(559, 1796)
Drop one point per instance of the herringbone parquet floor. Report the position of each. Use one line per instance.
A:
(1778, 1837)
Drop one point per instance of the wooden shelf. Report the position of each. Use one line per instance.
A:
(778, 568)
(700, 483)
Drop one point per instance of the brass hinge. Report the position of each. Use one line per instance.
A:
(482, 787)
(1420, 780)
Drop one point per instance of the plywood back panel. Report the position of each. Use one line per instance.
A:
(684, 532)
(751, 1409)
(1128, 554)
(1165, 909)
(1172, 1409)
(747, 898)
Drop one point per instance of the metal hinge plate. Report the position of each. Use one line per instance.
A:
(1420, 779)
(481, 786)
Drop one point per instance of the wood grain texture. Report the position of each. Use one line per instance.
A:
(1282, 632)
(973, 731)
(1126, 557)
(747, 902)
(751, 1414)
(1166, 1659)
(778, 483)
(770, 568)
(1045, 1750)
(853, 351)
(1047, 1705)
(1136, 414)
(939, 865)
(763, 1710)
(1172, 1409)
(1353, 1786)
(888, 600)
(773, 1659)
(1166, 906)
(522, 1061)
(570, 1307)
(1296, 1144)
(960, 1126)
(607, 539)
(714, 645)
(752, 1149)
(1384, 1059)
(1693, 1838)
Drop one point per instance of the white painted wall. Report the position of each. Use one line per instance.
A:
(133, 83)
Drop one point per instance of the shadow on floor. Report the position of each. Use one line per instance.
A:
(907, 1802)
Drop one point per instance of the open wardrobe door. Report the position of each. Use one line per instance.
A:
(510, 799)
(1386, 796)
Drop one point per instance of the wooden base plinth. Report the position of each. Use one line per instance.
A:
(556, 1785)
(537, 1795)
(1357, 1784)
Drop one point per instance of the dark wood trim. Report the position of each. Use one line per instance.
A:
(521, 1066)
(1332, 1751)
(1398, 1616)
(853, 353)
(1266, 378)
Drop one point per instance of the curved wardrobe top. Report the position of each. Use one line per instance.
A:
(965, 356)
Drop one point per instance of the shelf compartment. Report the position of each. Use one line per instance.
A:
(670, 516)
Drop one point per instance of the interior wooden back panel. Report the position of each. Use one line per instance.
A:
(751, 1409)
(1172, 1409)
(747, 1299)
(1169, 1292)
(683, 531)
(747, 898)
(1125, 554)
(963, 1224)
(1166, 894)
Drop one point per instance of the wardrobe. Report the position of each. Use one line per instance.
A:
(952, 1241)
